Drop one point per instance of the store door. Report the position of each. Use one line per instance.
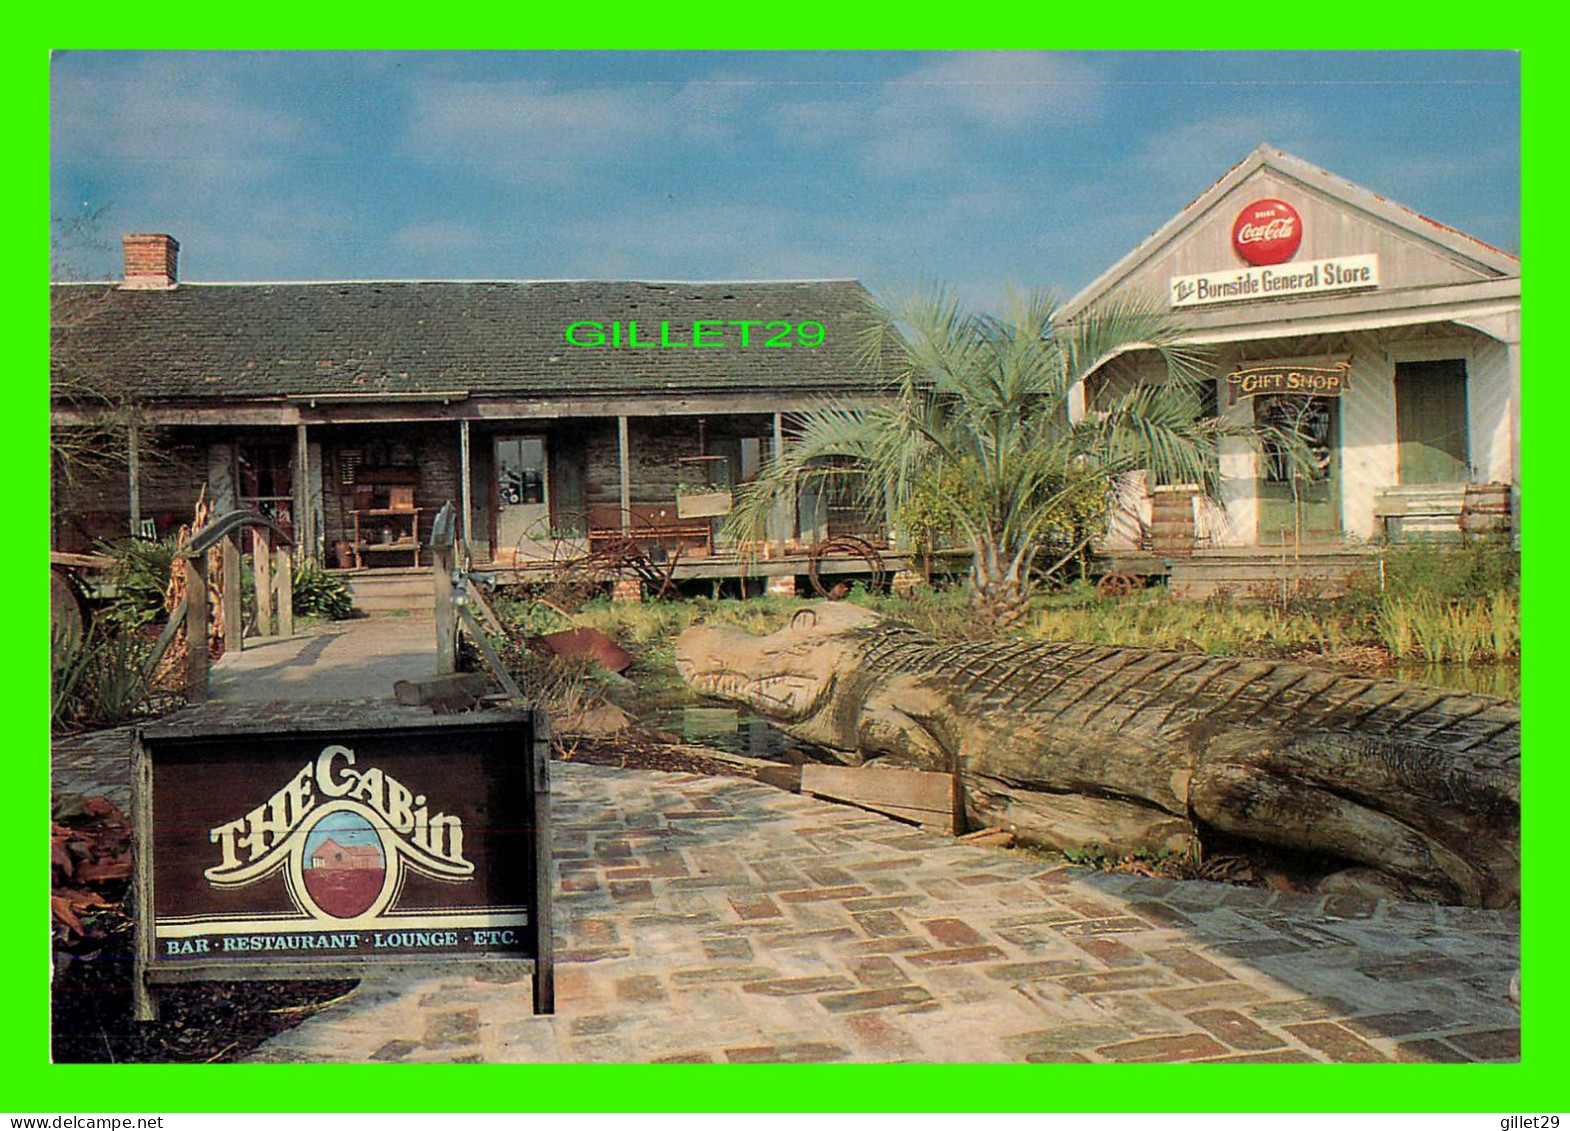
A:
(1296, 506)
(523, 513)
(1431, 424)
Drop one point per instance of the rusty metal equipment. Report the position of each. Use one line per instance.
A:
(1118, 585)
(850, 546)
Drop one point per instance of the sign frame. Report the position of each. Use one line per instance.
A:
(528, 799)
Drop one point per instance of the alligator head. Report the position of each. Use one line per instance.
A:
(787, 676)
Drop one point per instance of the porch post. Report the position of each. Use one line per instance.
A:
(626, 477)
(134, 475)
(779, 520)
(464, 485)
(302, 495)
(446, 612)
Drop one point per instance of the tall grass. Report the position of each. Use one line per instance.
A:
(1456, 631)
(1211, 627)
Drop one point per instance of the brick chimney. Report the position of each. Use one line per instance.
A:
(150, 261)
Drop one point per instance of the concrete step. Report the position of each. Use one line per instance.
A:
(385, 590)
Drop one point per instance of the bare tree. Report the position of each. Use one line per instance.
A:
(94, 412)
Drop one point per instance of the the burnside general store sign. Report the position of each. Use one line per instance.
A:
(276, 852)
(1317, 276)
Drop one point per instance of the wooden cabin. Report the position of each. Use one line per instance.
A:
(550, 414)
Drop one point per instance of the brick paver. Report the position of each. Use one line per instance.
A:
(719, 920)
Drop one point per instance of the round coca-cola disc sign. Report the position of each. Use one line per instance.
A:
(1267, 232)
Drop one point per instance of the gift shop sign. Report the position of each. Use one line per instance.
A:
(274, 853)
(1312, 277)
(1295, 380)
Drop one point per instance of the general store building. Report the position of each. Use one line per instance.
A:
(1389, 341)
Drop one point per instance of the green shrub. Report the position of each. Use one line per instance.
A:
(318, 593)
(98, 679)
(1446, 571)
(140, 575)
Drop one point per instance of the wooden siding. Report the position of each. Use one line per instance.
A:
(1330, 228)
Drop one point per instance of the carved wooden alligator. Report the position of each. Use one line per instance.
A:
(1133, 749)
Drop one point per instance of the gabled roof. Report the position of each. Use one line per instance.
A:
(1489, 262)
(366, 339)
(347, 849)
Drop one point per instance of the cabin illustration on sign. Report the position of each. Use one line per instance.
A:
(350, 857)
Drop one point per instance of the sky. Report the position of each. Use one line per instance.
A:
(907, 170)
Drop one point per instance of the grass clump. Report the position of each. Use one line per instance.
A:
(98, 679)
(318, 593)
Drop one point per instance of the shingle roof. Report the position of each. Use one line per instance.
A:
(487, 338)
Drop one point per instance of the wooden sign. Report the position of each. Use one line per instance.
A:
(1301, 380)
(313, 852)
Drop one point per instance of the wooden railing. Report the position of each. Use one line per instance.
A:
(273, 572)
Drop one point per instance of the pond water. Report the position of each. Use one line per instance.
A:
(1503, 680)
(735, 730)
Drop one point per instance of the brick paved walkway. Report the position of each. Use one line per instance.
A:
(721, 920)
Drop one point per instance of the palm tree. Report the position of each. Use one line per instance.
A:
(979, 404)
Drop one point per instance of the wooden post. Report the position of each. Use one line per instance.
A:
(446, 614)
(544, 944)
(234, 630)
(303, 539)
(464, 486)
(784, 508)
(134, 476)
(285, 587)
(626, 477)
(144, 1002)
(196, 627)
(262, 569)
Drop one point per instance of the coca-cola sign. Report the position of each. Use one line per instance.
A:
(1267, 232)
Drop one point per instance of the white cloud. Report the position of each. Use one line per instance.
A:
(546, 134)
(937, 118)
(1196, 154)
(1006, 91)
(435, 238)
(164, 110)
(552, 135)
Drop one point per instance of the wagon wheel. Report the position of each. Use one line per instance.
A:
(856, 547)
(1117, 585)
(544, 534)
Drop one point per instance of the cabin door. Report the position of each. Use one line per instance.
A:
(523, 512)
